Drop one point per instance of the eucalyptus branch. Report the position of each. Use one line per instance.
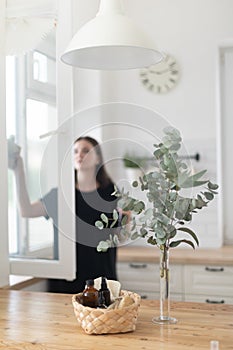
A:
(166, 212)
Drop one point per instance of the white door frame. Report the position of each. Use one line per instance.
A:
(4, 260)
(222, 47)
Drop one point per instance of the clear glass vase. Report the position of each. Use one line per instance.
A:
(164, 317)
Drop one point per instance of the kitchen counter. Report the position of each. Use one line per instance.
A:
(45, 321)
(199, 256)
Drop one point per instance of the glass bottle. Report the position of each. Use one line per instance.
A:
(105, 292)
(90, 294)
(101, 303)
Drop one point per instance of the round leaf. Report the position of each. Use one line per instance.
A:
(99, 224)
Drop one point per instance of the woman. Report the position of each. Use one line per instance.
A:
(93, 196)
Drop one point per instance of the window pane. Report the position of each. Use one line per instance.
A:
(40, 66)
(27, 119)
(41, 118)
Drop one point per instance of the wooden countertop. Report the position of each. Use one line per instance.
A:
(45, 321)
(200, 256)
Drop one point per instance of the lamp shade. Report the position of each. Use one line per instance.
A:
(111, 41)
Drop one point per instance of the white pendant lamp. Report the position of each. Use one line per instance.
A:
(111, 41)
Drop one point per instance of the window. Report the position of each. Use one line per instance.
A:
(32, 112)
(32, 237)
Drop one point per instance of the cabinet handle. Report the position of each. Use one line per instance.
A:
(214, 269)
(144, 296)
(138, 266)
(215, 301)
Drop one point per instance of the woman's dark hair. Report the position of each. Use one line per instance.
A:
(102, 176)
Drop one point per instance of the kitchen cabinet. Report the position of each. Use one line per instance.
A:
(143, 278)
(201, 276)
(211, 284)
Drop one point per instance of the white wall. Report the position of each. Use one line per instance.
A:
(190, 30)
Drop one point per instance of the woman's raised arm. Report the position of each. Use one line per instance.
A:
(27, 209)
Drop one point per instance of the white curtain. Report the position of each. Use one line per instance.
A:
(27, 23)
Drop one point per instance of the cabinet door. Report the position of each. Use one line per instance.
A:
(144, 277)
(209, 299)
(209, 280)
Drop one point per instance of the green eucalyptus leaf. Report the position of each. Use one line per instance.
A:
(175, 147)
(138, 207)
(103, 246)
(183, 165)
(199, 183)
(170, 130)
(104, 218)
(179, 215)
(171, 231)
(135, 235)
(143, 232)
(148, 213)
(157, 153)
(190, 232)
(161, 241)
(124, 220)
(190, 182)
(152, 240)
(160, 233)
(115, 214)
(208, 195)
(99, 225)
(212, 186)
(197, 176)
(113, 223)
(116, 240)
(174, 244)
(163, 149)
(188, 217)
(172, 196)
(133, 224)
(126, 203)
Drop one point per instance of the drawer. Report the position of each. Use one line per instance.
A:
(145, 277)
(208, 280)
(211, 299)
(148, 295)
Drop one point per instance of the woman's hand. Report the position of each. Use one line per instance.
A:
(125, 213)
(13, 153)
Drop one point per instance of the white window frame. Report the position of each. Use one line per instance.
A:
(223, 143)
(65, 267)
(36, 88)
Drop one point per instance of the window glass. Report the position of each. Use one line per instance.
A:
(30, 115)
(40, 67)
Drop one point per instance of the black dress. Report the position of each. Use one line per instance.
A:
(90, 263)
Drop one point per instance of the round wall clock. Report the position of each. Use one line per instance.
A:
(161, 77)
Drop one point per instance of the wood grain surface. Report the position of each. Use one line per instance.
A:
(46, 321)
(199, 256)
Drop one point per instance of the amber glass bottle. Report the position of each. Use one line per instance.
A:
(90, 294)
(104, 292)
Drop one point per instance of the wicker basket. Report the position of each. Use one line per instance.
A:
(103, 321)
